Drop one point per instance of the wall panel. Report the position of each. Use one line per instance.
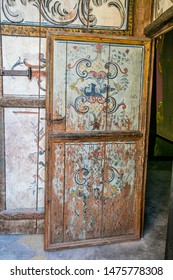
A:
(98, 15)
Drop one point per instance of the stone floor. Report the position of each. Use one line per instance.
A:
(150, 247)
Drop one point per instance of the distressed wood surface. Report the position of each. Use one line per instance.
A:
(102, 136)
(57, 192)
(162, 24)
(92, 242)
(81, 113)
(142, 16)
(101, 186)
(83, 191)
(93, 208)
(119, 196)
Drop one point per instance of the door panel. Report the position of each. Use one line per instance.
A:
(119, 196)
(87, 81)
(94, 89)
(93, 188)
(84, 165)
(95, 139)
(125, 87)
(57, 191)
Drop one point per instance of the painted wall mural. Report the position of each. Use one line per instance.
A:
(26, 52)
(74, 13)
(160, 6)
(100, 176)
(25, 158)
(94, 87)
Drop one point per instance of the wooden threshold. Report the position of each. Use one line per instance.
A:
(92, 242)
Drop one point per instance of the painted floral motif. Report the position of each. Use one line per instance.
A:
(98, 174)
(86, 13)
(89, 171)
(25, 158)
(38, 157)
(96, 85)
(120, 168)
(94, 88)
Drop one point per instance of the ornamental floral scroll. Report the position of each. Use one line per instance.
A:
(65, 13)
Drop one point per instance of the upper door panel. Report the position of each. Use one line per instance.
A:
(97, 86)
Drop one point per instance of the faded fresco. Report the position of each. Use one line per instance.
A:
(74, 13)
(160, 6)
(97, 87)
(94, 199)
(26, 52)
(25, 158)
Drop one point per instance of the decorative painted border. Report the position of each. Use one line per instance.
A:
(40, 30)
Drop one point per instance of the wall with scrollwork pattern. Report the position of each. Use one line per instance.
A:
(24, 50)
(73, 13)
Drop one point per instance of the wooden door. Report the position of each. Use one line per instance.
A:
(96, 132)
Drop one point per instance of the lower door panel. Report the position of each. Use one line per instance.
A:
(93, 193)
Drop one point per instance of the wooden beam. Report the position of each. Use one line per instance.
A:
(22, 102)
(161, 25)
(142, 16)
(91, 242)
(100, 136)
